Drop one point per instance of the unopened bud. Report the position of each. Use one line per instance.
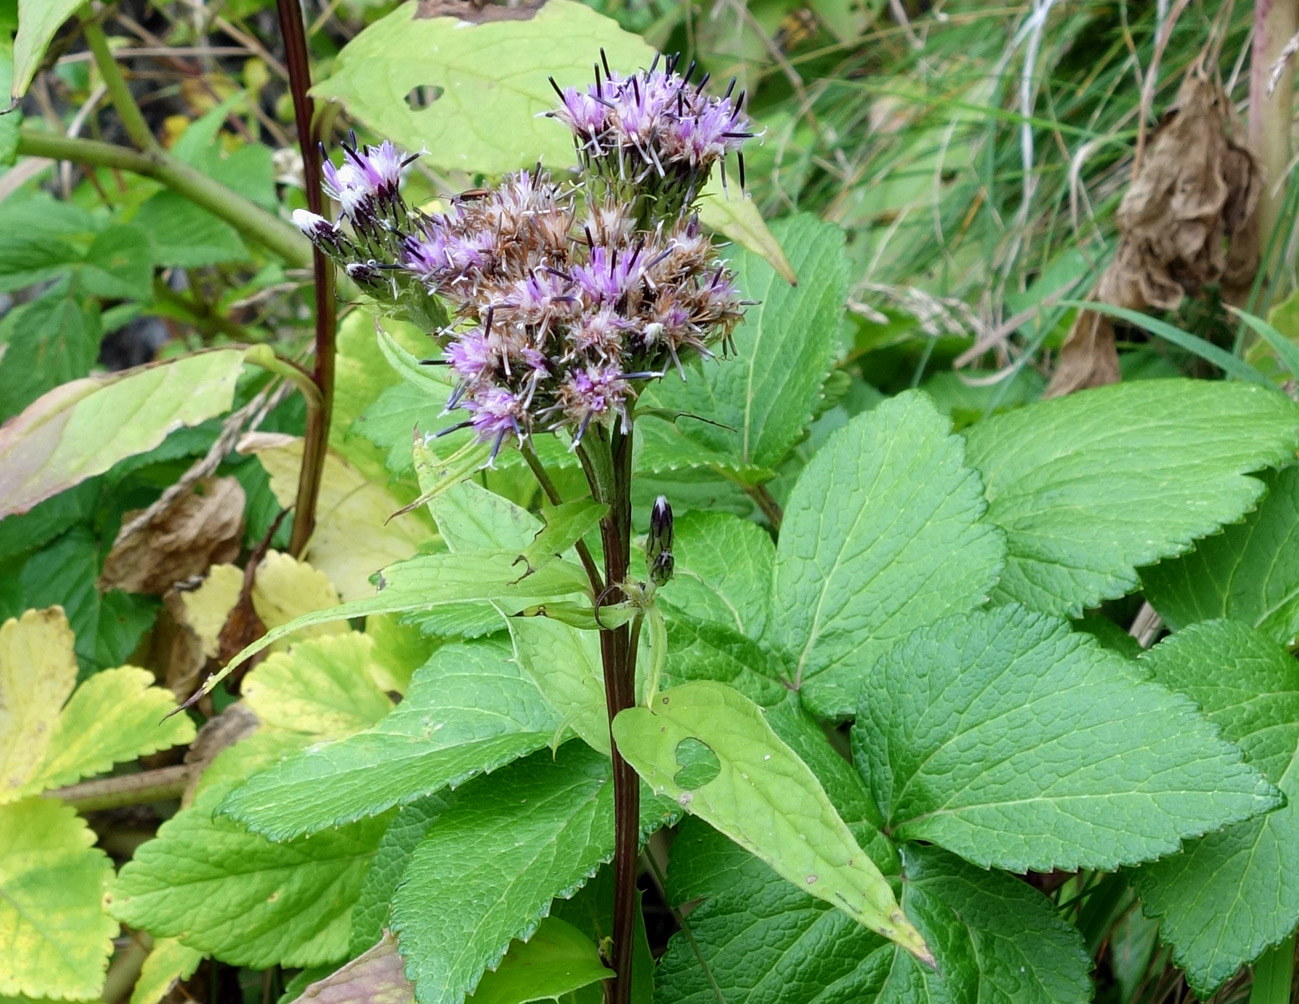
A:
(658, 545)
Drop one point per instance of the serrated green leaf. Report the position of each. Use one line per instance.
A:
(43, 239)
(432, 580)
(1018, 744)
(1090, 486)
(480, 120)
(184, 235)
(55, 934)
(370, 916)
(38, 20)
(1231, 894)
(768, 393)
(115, 715)
(235, 895)
(1249, 572)
(324, 687)
(996, 939)
(557, 959)
(491, 863)
(167, 962)
(119, 264)
(723, 571)
(565, 664)
(760, 794)
(707, 650)
(49, 341)
(469, 711)
(83, 428)
(882, 533)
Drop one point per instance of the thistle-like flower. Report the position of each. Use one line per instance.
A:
(562, 301)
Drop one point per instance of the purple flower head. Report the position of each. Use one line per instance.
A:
(593, 393)
(347, 185)
(470, 355)
(538, 297)
(497, 412)
(598, 335)
(380, 165)
(608, 275)
(586, 114)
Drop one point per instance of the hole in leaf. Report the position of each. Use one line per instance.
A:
(698, 762)
(424, 95)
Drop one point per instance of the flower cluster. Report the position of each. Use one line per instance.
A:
(654, 135)
(561, 301)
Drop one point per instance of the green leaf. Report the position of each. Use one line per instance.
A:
(565, 664)
(996, 940)
(709, 748)
(184, 235)
(481, 119)
(235, 895)
(565, 525)
(370, 917)
(55, 935)
(706, 650)
(723, 571)
(882, 533)
(471, 518)
(1231, 894)
(1090, 486)
(1249, 572)
(469, 711)
(41, 238)
(83, 428)
(1018, 744)
(38, 20)
(119, 264)
(49, 341)
(13, 118)
(64, 573)
(768, 393)
(114, 716)
(433, 580)
(490, 865)
(733, 214)
(557, 959)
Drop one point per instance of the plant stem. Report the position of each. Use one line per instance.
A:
(1275, 21)
(552, 493)
(611, 483)
(280, 238)
(316, 439)
(119, 92)
(145, 788)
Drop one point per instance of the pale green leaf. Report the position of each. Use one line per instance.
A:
(471, 518)
(235, 895)
(434, 580)
(1090, 486)
(38, 20)
(324, 687)
(1018, 744)
(564, 663)
(735, 215)
(116, 715)
(83, 428)
(470, 710)
(709, 748)
(489, 82)
(37, 672)
(557, 959)
(167, 962)
(723, 571)
(882, 533)
(55, 934)
(764, 398)
(1231, 894)
(490, 865)
(1249, 572)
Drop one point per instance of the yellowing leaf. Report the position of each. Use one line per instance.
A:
(324, 686)
(167, 962)
(208, 606)
(734, 214)
(54, 936)
(285, 588)
(37, 672)
(353, 538)
(114, 716)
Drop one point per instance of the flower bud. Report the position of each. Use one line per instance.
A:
(659, 562)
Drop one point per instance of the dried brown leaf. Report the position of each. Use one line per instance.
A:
(373, 977)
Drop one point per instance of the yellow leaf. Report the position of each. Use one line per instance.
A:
(208, 606)
(284, 589)
(353, 538)
(37, 672)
